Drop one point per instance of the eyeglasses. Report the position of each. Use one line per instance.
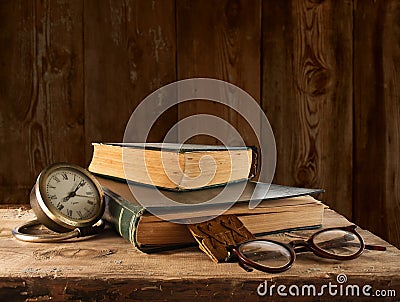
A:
(341, 243)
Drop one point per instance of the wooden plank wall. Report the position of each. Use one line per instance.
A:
(130, 51)
(325, 72)
(307, 94)
(231, 53)
(42, 91)
(376, 189)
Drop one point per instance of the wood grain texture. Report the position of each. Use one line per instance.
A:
(220, 39)
(106, 267)
(129, 52)
(72, 72)
(377, 117)
(41, 105)
(307, 94)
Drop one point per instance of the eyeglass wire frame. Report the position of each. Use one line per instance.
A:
(298, 246)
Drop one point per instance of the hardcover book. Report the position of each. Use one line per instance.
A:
(284, 208)
(173, 166)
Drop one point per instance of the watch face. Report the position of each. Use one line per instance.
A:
(70, 193)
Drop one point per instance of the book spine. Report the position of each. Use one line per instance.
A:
(123, 216)
(254, 164)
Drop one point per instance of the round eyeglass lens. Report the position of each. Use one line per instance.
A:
(338, 242)
(266, 253)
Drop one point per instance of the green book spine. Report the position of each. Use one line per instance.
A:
(123, 216)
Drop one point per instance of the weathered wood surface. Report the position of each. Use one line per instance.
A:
(41, 108)
(220, 39)
(377, 117)
(72, 72)
(307, 94)
(129, 52)
(106, 267)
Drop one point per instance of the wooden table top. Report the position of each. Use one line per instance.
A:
(106, 267)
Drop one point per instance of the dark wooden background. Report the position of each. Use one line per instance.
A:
(326, 73)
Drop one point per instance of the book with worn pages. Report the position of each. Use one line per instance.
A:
(284, 208)
(173, 166)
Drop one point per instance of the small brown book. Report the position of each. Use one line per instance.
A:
(214, 235)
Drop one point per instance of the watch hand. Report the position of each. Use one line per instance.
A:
(77, 187)
(87, 196)
(73, 193)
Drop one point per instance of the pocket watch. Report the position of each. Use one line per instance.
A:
(68, 200)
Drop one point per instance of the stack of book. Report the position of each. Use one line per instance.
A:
(192, 174)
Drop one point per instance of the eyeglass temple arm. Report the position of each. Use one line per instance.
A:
(369, 246)
(381, 248)
(375, 247)
(333, 242)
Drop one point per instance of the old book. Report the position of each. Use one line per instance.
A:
(173, 166)
(277, 212)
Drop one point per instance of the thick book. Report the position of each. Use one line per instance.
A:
(174, 166)
(284, 208)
